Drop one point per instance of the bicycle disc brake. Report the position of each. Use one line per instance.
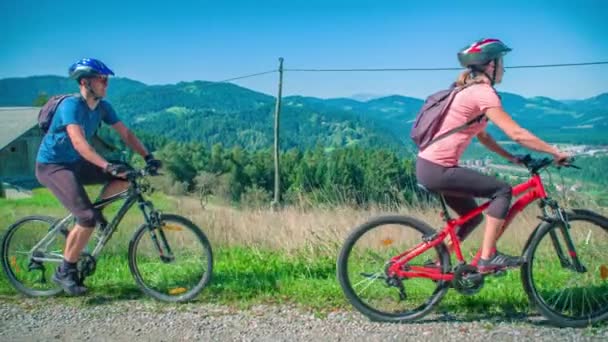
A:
(467, 280)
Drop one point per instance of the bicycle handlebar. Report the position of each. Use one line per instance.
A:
(134, 174)
(534, 165)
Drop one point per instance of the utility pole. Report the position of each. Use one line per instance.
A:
(277, 113)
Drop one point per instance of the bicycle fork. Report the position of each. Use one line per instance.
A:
(571, 261)
(154, 224)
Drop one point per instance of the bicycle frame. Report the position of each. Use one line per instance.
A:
(131, 195)
(530, 191)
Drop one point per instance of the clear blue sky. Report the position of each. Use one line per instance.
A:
(172, 41)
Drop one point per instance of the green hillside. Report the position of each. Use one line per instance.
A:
(225, 113)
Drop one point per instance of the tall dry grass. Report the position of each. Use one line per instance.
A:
(323, 229)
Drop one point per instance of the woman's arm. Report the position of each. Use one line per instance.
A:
(486, 139)
(520, 135)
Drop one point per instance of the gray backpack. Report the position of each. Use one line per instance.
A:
(431, 115)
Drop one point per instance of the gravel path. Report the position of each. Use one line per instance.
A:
(79, 320)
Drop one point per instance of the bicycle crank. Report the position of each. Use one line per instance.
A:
(467, 280)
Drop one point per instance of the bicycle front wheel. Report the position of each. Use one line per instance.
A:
(566, 296)
(363, 262)
(31, 251)
(172, 262)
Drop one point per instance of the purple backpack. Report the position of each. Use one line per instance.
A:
(431, 115)
(45, 116)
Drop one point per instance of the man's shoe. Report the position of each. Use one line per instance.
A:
(498, 262)
(69, 281)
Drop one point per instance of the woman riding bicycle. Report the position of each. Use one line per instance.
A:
(66, 160)
(437, 165)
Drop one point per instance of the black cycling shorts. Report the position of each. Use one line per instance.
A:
(66, 181)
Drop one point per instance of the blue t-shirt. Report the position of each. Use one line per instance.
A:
(56, 146)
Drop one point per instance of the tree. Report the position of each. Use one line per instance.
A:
(41, 100)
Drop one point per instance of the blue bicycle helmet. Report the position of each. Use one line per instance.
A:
(88, 67)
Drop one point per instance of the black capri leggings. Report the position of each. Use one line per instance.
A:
(460, 186)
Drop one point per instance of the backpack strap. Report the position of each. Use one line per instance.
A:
(476, 119)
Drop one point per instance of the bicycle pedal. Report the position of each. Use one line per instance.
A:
(500, 273)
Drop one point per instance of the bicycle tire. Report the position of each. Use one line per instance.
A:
(362, 305)
(164, 292)
(538, 291)
(13, 268)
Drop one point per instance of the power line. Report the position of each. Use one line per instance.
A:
(373, 69)
(399, 70)
(444, 69)
(555, 65)
(214, 83)
(247, 76)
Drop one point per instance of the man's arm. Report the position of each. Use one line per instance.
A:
(130, 139)
(82, 146)
(486, 139)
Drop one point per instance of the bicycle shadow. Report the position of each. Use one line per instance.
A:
(501, 313)
(111, 294)
(242, 285)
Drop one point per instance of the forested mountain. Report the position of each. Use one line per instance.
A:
(219, 136)
(23, 91)
(225, 113)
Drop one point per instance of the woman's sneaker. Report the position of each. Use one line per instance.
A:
(69, 281)
(498, 262)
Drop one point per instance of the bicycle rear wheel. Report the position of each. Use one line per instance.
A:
(177, 273)
(30, 269)
(363, 261)
(567, 297)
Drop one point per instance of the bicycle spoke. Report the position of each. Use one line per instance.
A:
(368, 280)
(596, 301)
(173, 276)
(371, 292)
(588, 237)
(586, 300)
(33, 250)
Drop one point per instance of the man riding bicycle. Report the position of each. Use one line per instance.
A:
(66, 161)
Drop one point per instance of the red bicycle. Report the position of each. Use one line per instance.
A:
(397, 268)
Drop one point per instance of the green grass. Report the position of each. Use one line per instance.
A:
(245, 276)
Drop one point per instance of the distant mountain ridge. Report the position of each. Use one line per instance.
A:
(222, 112)
(22, 91)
